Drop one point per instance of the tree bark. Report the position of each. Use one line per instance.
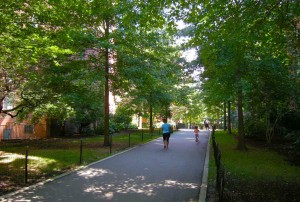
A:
(106, 91)
(229, 117)
(241, 134)
(151, 118)
(225, 127)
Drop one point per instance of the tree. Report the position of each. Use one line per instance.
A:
(69, 42)
(129, 27)
(153, 89)
(27, 47)
(231, 36)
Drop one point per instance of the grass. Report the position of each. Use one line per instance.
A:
(50, 157)
(258, 174)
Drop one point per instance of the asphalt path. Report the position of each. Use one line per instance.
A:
(144, 173)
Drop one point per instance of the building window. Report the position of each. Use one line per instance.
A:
(28, 129)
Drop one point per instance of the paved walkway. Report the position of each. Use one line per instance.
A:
(144, 173)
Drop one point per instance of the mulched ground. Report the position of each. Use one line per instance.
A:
(238, 190)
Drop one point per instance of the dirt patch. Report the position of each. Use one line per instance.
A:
(211, 194)
(238, 190)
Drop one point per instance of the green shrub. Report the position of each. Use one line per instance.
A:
(132, 126)
(121, 120)
(100, 129)
(294, 147)
(255, 127)
(291, 120)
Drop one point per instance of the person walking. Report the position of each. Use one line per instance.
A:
(206, 124)
(196, 132)
(166, 130)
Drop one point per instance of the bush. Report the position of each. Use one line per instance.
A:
(132, 126)
(121, 121)
(294, 136)
(294, 147)
(255, 127)
(290, 121)
(100, 129)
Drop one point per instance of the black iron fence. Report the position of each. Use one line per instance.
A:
(28, 161)
(220, 168)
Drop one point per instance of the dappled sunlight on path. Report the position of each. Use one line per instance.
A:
(145, 173)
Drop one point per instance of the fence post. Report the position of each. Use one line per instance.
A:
(80, 158)
(220, 174)
(26, 166)
(110, 144)
(222, 182)
(129, 139)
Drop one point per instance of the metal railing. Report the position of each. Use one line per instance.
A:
(220, 168)
(26, 162)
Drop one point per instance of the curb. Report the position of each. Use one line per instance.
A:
(203, 187)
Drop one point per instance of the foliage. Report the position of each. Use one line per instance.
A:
(294, 150)
(57, 57)
(52, 77)
(123, 116)
(248, 52)
(152, 91)
(255, 126)
(291, 134)
(290, 120)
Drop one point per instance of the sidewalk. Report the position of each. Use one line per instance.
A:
(144, 173)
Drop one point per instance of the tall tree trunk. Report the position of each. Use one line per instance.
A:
(151, 118)
(241, 134)
(106, 91)
(217, 123)
(225, 127)
(229, 117)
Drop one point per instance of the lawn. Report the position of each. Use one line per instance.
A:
(258, 174)
(48, 158)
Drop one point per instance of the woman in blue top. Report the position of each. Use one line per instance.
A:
(166, 130)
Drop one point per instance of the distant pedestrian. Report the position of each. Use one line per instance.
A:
(166, 130)
(196, 132)
(206, 124)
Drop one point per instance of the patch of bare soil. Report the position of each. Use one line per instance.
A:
(237, 190)
(211, 194)
(270, 191)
